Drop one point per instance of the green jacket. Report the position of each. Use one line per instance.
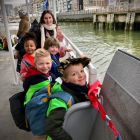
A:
(57, 117)
(33, 88)
(56, 103)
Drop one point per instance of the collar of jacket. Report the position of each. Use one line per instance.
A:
(33, 89)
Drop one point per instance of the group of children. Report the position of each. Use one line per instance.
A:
(41, 67)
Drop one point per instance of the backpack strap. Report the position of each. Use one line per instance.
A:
(49, 89)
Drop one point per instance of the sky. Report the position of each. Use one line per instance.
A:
(14, 2)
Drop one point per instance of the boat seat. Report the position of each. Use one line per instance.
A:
(79, 120)
(121, 92)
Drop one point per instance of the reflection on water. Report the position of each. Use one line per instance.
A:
(101, 45)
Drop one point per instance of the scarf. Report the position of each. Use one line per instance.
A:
(80, 92)
(52, 27)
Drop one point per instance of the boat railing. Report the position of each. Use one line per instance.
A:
(78, 53)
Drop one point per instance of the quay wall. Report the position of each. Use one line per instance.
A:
(130, 20)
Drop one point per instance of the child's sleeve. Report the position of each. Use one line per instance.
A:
(54, 122)
(92, 74)
(62, 51)
(23, 70)
(54, 125)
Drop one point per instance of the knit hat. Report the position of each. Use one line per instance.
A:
(73, 61)
(22, 13)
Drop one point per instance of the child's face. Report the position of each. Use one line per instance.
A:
(58, 29)
(60, 35)
(44, 64)
(75, 74)
(48, 19)
(30, 46)
(53, 50)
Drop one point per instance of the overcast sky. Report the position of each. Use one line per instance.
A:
(14, 2)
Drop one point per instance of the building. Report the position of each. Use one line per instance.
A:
(10, 5)
(88, 4)
(77, 5)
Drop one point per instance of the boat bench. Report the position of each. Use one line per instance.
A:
(121, 92)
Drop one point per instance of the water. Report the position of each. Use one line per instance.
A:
(101, 45)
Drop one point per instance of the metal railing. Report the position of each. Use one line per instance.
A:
(107, 9)
(77, 53)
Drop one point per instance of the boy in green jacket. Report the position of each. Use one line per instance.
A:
(74, 83)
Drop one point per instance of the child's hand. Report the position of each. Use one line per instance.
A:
(16, 55)
(82, 56)
(47, 35)
(22, 78)
(60, 36)
(63, 51)
(68, 50)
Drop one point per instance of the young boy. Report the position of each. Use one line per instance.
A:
(39, 74)
(52, 45)
(74, 83)
(38, 78)
(28, 58)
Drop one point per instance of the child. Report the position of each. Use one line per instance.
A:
(52, 45)
(60, 36)
(39, 78)
(48, 26)
(40, 71)
(28, 58)
(73, 82)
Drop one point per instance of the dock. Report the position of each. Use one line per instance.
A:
(116, 18)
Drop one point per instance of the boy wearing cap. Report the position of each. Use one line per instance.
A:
(74, 83)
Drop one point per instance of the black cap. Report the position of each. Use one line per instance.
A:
(73, 61)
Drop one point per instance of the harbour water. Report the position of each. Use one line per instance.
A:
(101, 45)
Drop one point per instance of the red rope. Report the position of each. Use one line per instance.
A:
(92, 94)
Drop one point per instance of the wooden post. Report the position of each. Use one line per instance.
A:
(127, 22)
(110, 20)
(94, 20)
(132, 21)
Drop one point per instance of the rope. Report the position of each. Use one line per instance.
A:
(92, 94)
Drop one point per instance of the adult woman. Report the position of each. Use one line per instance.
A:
(48, 26)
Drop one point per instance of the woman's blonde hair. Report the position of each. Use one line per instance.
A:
(51, 42)
(41, 52)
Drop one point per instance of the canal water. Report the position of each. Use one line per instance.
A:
(100, 45)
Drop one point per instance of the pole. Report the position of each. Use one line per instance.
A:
(54, 9)
(9, 41)
(27, 6)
